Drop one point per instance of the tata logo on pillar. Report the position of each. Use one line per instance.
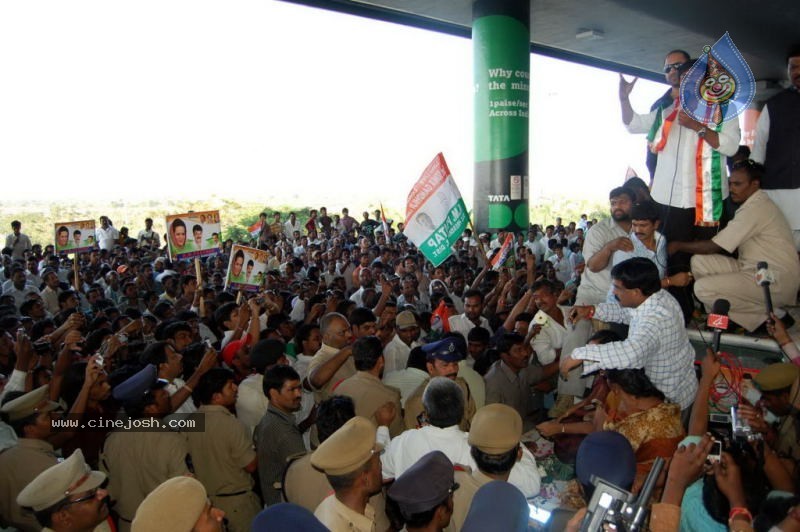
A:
(719, 86)
(494, 198)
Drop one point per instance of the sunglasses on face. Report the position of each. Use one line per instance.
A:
(671, 66)
(89, 496)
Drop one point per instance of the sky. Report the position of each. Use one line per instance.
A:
(273, 102)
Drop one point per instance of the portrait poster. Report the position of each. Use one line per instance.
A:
(75, 237)
(193, 234)
(247, 268)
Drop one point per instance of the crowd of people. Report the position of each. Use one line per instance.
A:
(362, 388)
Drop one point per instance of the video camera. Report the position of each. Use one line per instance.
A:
(611, 505)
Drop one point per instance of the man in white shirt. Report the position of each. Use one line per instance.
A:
(148, 237)
(677, 142)
(473, 307)
(444, 408)
(291, 225)
(536, 244)
(18, 242)
(367, 282)
(51, 290)
(602, 240)
(409, 379)
(395, 354)
(106, 235)
(19, 287)
(498, 241)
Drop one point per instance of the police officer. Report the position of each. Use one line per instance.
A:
(137, 461)
(68, 496)
(306, 486)
(29, 417)
(494, 440)
(223, 454)
(179, 504)
(423, 494)
(350, 460)
(443, 358)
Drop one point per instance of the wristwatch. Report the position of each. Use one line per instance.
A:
(702, 132)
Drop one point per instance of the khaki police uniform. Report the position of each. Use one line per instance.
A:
(219, 456)
(20, 464)
(336, 516)
(496, 430)
(138, 462)
(414, 405)
(344, 452)
(780, 377)
(758, 232)
(468, 484)
(348, 369)
(369, 394)
(174, 505)
(58, 483)
(305, 486)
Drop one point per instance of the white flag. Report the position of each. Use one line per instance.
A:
(435, 213)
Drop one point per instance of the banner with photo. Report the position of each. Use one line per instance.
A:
(435, 213)
(193, 234)
(247, 268)
(75, 237)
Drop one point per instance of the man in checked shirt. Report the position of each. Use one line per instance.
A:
(657, 340)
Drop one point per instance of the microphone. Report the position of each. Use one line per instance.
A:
(718, 320)
(764, 279)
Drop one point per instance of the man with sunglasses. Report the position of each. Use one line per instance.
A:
(679, 140)
(68, 497)
(672, 61)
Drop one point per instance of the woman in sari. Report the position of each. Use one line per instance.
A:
(637, 409)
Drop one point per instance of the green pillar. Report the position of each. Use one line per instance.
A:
(501, 47)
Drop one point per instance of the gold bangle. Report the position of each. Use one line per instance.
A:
(191, 390)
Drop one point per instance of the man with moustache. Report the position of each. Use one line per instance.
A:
(602, 241)
(758, 232)
(277, 436)
(223, 454)
(649, 243)
(68, 497)
(443, 358)
(672, 61)
(677, 138)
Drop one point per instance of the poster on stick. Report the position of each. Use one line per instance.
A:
(435, 212)
(75, 237)
(193, 234)
(246, 268)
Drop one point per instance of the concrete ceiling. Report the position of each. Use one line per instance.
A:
(635, 33)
